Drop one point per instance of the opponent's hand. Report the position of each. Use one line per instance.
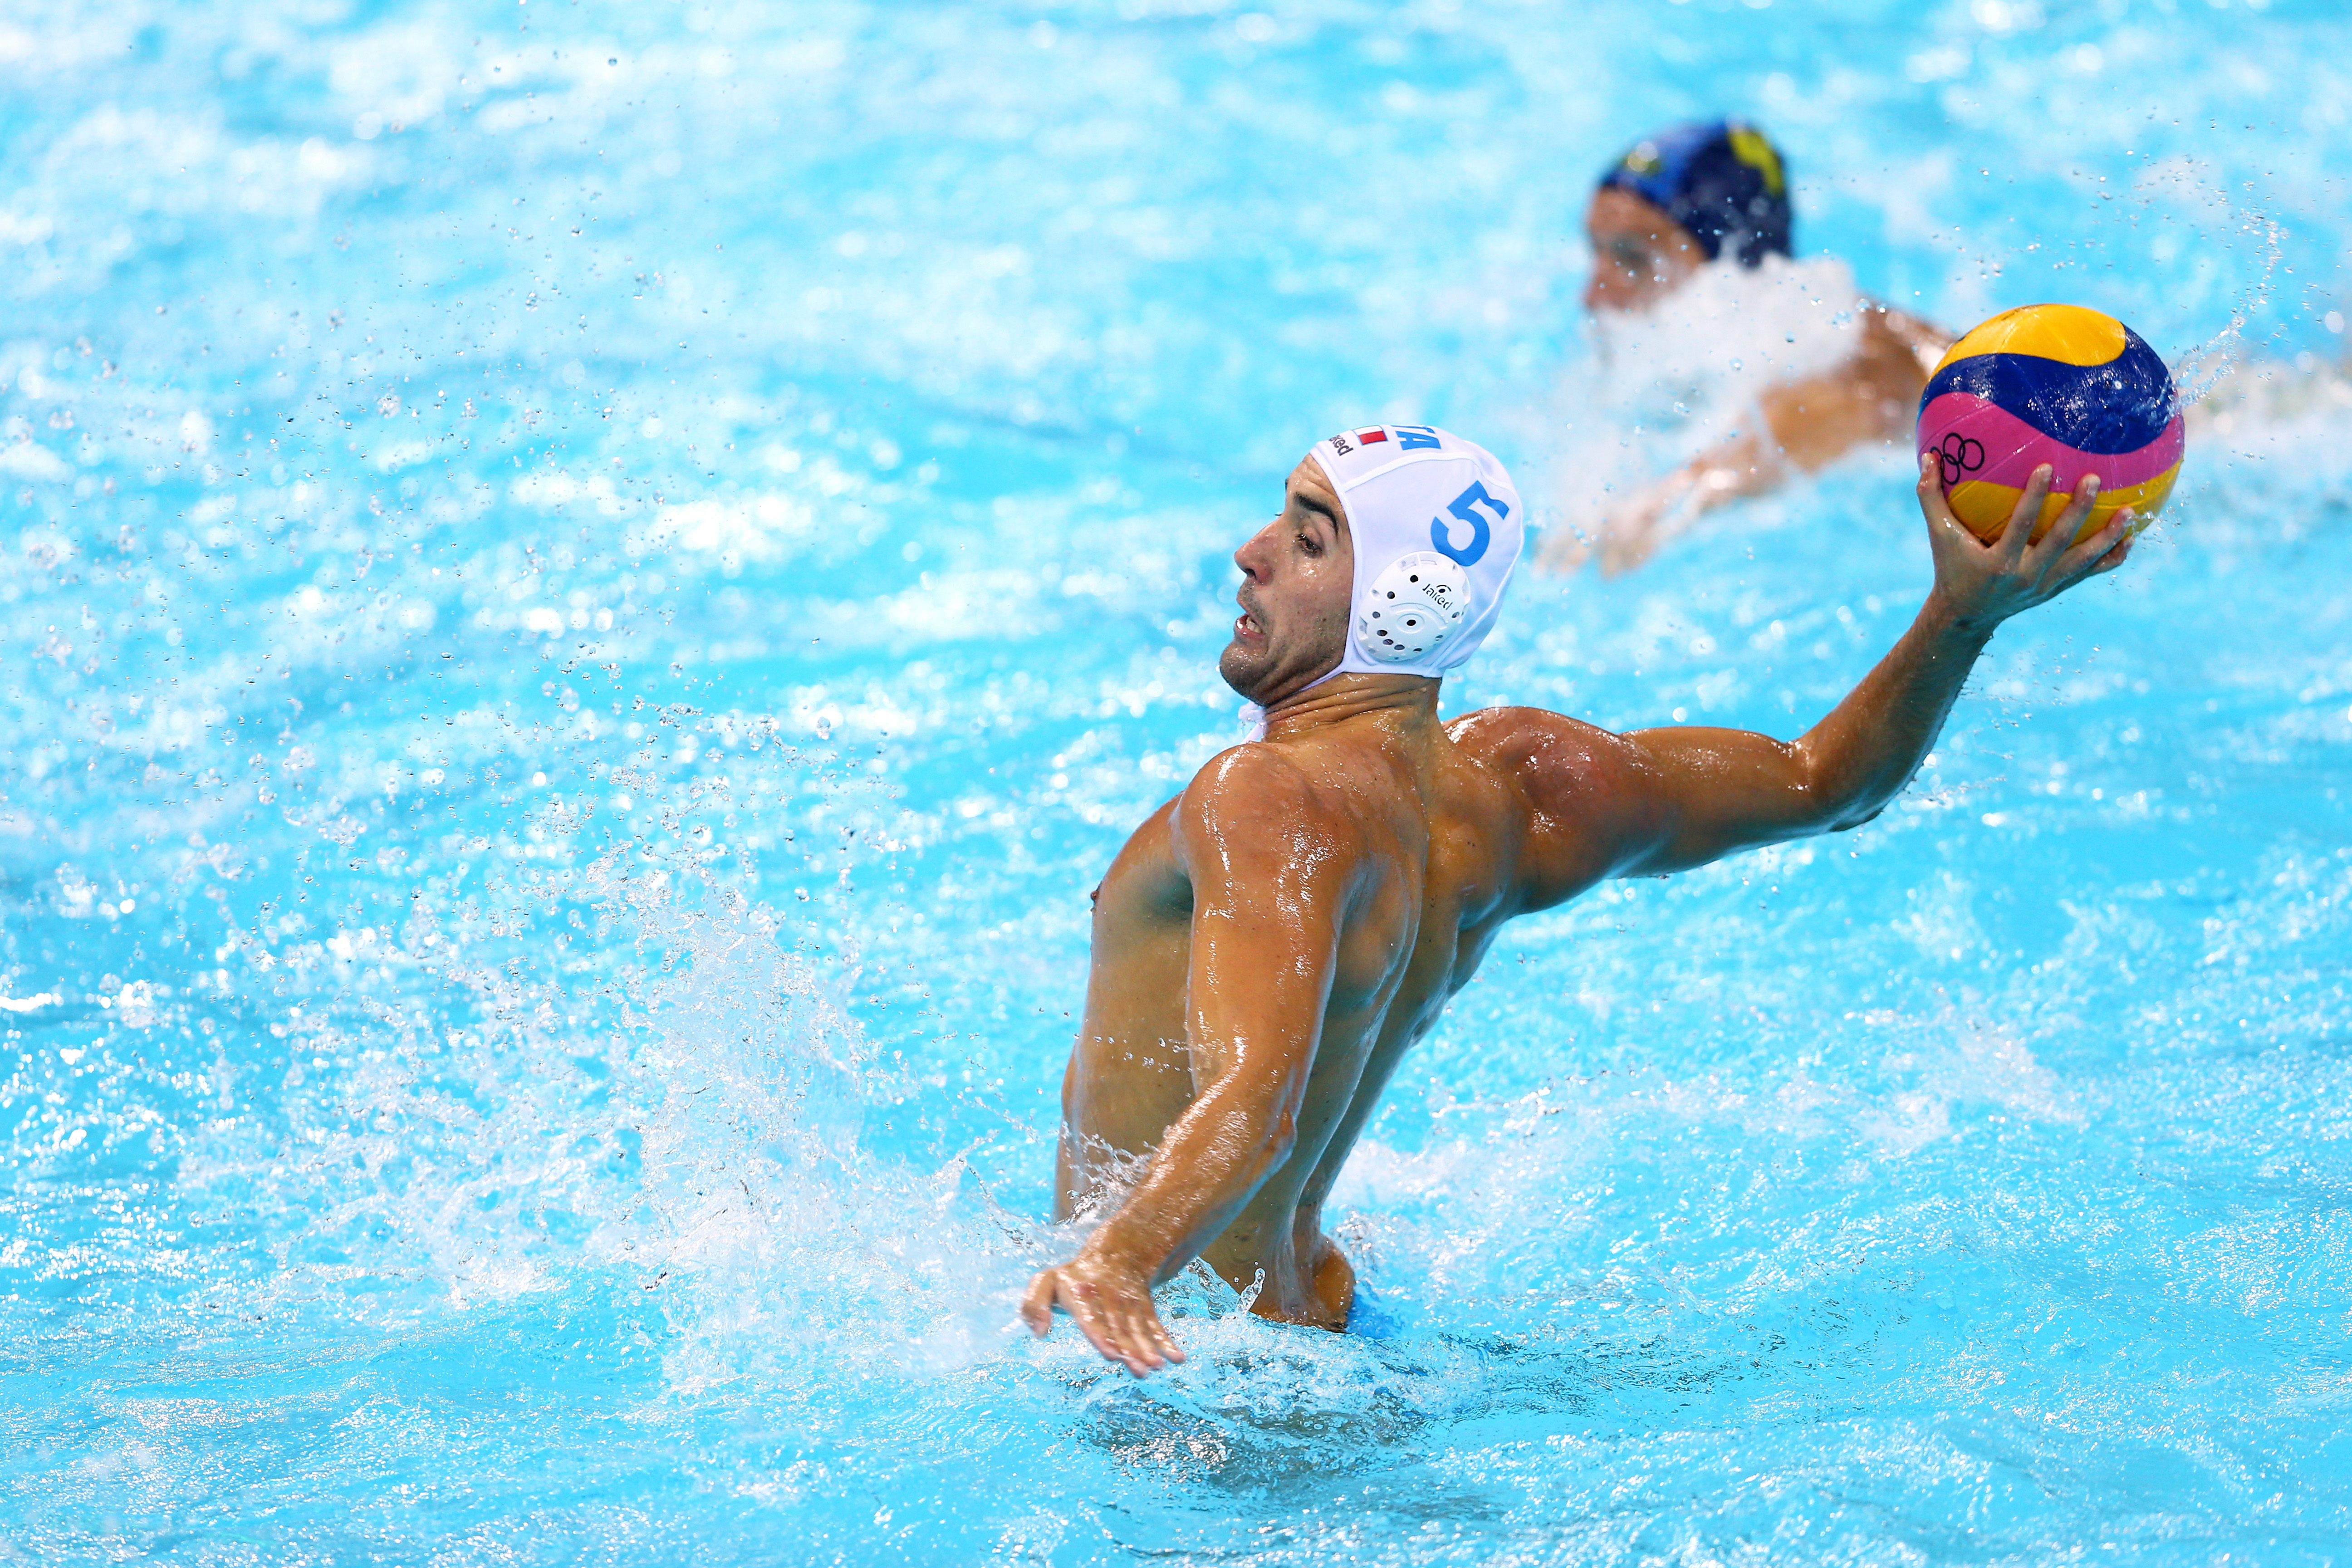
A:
(1631, 531)
(1112, 1304)
(1983, 583)
(1623, 535)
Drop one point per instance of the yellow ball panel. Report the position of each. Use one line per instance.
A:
(1984, 508)
(2070, 334)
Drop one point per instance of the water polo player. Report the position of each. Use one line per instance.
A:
(1268, 944)
(1717, 194)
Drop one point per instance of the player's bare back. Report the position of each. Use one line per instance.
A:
(1269, 944)
(1422, 837)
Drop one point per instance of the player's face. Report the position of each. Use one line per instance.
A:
(1298, 578)
(1639, 254)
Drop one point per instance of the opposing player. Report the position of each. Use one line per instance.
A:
(1676, 202)
(1270, 944)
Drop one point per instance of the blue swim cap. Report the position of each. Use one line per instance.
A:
(1721, 181)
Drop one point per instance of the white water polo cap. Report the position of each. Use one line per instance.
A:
(1436, 527)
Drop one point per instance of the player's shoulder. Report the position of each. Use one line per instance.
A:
(1890, 333)
(1526, 734)
(1546, 755)
(1257, 793)
(1240, 780)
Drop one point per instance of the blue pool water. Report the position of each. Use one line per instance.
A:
(589, 587)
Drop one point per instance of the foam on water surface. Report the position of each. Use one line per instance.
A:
(589, 589)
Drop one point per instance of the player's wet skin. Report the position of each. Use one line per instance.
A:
(1268, 944)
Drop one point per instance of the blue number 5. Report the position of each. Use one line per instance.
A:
(1465, 505)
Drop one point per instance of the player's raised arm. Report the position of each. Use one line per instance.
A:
(1271, 872)
(1671, 799)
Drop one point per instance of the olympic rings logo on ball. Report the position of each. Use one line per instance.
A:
(1962, 452)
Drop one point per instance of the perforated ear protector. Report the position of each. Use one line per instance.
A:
(1411, 607)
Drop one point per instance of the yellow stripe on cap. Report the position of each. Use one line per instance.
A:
(1983, 508)
(1748, 145)
(2071, 334)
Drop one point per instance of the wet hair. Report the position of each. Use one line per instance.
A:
(1722, 181)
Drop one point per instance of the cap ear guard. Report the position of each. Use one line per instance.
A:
(1412, 609)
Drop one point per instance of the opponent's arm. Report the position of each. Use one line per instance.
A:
(1270, 875)
(1665, 800)
(1873, 396)
(1807, 424)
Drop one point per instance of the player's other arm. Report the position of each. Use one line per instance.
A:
(1665, 800)
(1873, 396)
(1808, 424)
(1271, 873)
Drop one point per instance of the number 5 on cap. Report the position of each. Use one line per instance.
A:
(1465, 505)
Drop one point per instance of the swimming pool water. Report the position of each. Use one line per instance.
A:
(588, 589)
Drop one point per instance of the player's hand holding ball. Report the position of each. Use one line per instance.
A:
(2057, 387)
(1980, 582)
(2049, 436)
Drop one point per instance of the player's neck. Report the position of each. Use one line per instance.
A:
(1408, 701)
